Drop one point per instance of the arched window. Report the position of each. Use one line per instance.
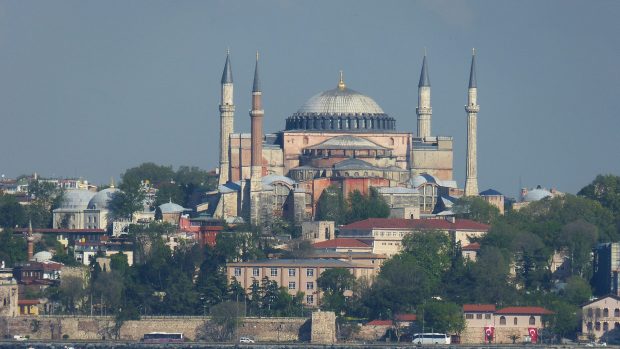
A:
(605, 326)
(616, 325)
(589, 326)
(306, 140)
(532, 320)
(391, 140)
(597, 326)
(616, 312)
(590, 313)
(598, 312)
(502, 320)
(515, 321)
(605, 312)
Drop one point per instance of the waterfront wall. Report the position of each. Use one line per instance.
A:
(101, 327)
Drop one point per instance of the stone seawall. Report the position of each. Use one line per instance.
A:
(101, 327)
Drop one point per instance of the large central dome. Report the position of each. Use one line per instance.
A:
(341, 109)
(341, 101)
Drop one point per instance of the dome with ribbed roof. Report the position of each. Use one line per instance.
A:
(341, 109)
(101, 200)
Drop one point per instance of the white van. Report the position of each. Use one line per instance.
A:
(431, 338)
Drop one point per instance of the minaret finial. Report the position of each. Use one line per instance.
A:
(228, 51)
(257, 55)
(473, 51)
(341, 84)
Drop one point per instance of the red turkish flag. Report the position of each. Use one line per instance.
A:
(489, 331)
(533, 334)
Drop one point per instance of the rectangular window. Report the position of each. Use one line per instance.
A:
(310, 299)
(255, 272)
(478, 316)
(291, 272)
(291, 285)
(309, 285)
(237, 271)
(469, 316)
(309, 272)
(487, 316)
(274, 271)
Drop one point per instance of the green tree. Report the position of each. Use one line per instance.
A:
(431, 249)
(442, 317)
(148, 171)
(577, 291)
(169, 192)
(331, 205)
(12, 247)
(360, 206)
(334, 282)
(580, 237)
(476, 209)
(12, 214)
(126, 202)
(606, 190)
(228, 316)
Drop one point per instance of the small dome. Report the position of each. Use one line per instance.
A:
(422, 179)
(102, 199)
(536, 194)
(171, 207)
(42, 256)
(76, 199)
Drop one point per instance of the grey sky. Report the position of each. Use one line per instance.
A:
(90, 88)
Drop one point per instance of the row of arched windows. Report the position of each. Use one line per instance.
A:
(515, 320)
(340, 123)
(597, 326)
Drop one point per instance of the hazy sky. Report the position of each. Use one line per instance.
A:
(90, 88)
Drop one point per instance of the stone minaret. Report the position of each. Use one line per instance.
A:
(30, 240)
(256, 170)
(424, 109)
(227, 113)
(472, 108)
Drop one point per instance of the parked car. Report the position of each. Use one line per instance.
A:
(246, 340)
(19, 337)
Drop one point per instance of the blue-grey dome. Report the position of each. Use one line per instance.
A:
(536, 194)
(101, 200)
(76, 199)
(171, 207)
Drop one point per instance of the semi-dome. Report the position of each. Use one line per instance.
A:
(76, 199)
(340, 109)
(101, 199)
(42, 256)
(536, 194)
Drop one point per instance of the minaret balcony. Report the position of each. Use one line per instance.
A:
(472, 108)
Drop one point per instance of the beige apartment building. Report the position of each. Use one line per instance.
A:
(601, 316)
(521, 324)
(297, 275)
(385, 235)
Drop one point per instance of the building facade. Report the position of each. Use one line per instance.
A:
(600, 316)
(297, 275)
(337, 135)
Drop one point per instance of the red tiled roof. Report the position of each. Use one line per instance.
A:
(28, 302)
(380, 323)
(406, 317)
(524, 311)
(340, 242)
(474, 246)
(400, 223)
(480, 308)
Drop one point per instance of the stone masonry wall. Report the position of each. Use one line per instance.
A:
(100, 327)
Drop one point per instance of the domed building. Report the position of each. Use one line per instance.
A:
(84, 209)
(337, 137)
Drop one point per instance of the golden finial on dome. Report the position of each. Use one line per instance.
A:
(341, 84)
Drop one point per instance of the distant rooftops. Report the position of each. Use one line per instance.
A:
(400, 223)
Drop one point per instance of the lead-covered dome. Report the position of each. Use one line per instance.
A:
(101, 200)
(76, 199)
(341, 109)
(341, 101)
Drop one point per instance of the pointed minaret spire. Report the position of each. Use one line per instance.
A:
(227, 77)
(424, 80)
(472, 108)
(256, 84)
(227, 113)
(424, 110)
(472, 70)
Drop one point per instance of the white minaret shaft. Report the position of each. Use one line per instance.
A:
(227, 113)
(472, 108)
(424, 109)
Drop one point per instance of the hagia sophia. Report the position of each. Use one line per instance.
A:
(342, 138)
